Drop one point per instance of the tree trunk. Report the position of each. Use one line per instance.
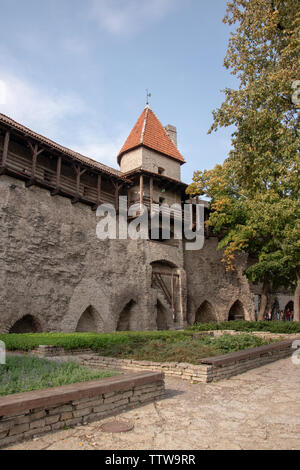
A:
(264, 300)
(297, 301)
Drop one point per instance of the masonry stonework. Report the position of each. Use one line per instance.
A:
(56, 275)
(54, 268)
(30, 414)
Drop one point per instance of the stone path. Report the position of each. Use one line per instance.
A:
(256, 410)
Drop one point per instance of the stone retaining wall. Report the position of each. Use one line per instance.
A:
(54, 351)
(266, 335)
(26, 415)
(208, 370)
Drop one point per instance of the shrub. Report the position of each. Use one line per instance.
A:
(23, 374)
(242, 325)
(94, 341)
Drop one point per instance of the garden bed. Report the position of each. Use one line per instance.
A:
(178, 346)
(26, 415)
(24, 374)
(206, 370)
(184, 349)
(101, 341)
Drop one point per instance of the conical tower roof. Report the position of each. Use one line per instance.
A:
(149, 132)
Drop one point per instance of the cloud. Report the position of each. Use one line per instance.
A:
(39, 108)
(103, 149)
(62, 116)
(124, 17)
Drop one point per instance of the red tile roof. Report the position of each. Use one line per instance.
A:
(149, 132)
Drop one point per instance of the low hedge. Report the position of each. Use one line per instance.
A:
(248, 326)
(94, 341)
(99, 341)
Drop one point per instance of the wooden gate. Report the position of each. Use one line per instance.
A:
(168, 284)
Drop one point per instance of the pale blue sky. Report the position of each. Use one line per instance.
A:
(76, 71)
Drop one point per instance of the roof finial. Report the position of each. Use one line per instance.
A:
(147, 97)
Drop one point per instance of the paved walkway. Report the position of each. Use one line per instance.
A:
(256, 410)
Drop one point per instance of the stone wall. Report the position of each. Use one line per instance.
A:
(208, 370)
(54, 270)
(53, 267)
(24, 416)
(210, 287)
(151, 161)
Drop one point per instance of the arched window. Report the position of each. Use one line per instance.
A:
(26, 324)
(237, 311)
(90, 321)
(124, 323)
(205, 313)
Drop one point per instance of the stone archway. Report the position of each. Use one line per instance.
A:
(124, 322)
(90, 321)
(26, 324)
(205, 313)
(237, 311)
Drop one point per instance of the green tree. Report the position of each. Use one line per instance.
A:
(255, 193)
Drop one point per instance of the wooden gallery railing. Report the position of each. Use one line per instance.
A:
(34, 172)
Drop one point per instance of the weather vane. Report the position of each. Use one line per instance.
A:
(148, 96)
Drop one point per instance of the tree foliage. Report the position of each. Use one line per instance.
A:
(255, 192)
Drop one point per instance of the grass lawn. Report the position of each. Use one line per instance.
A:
(159, 346)
(24, 374)
(185, 349)
(100, 341)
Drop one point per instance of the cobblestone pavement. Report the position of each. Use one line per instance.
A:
(259, 409)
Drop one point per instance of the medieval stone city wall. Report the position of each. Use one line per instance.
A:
(211, 291)
(54, 269)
